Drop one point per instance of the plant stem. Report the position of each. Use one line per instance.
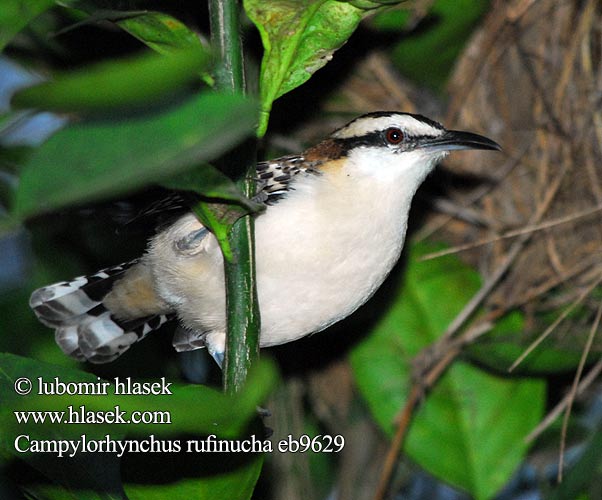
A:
(242, 340)
(224, 17)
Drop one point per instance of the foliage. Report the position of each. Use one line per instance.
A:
(299, 38)
(428, 56)
(481, 419)
(131, 152)
(16, 14)
(579, 479)
(215, 412)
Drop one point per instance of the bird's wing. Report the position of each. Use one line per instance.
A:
(276, 177)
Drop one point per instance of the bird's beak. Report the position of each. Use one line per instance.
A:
(456, 139)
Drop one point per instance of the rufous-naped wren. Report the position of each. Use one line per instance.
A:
(334, 226)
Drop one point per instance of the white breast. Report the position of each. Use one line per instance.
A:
(322, 253)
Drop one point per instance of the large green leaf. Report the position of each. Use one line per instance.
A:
(470, 430)
(501, 350)
(131, 82)
(299, 37)
(16, 14)
(106, 157)
(164, 34)
(159, 31)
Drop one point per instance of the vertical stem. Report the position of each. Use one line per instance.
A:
(242, 340)
(224, 17)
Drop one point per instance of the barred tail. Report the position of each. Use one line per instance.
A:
(84, 328)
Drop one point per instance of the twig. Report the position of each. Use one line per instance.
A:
(517, 232)
(515, 249)
(381, 68)
(553, 326)
(573, 391)
(568, 65)
(557, 410)
(404, 419)
(403, 423)
(580, 268)
(496, 29)
(419, 388)
(478, 193)
(461, 212)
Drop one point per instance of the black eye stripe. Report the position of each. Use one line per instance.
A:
(367, 140)
(378, 139)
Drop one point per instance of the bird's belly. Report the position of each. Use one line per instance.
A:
(312, 276)
(297, 303)
(302, 287)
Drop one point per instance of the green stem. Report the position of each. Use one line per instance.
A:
(224, 16)
(242, 341)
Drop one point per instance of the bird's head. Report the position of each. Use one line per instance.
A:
(393, 144)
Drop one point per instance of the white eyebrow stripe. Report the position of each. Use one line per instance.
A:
(405, 122)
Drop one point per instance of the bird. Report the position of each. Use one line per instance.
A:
(333, 227)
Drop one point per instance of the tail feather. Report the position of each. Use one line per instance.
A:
(62, 303)
(105, 338)
(85, 328)
(67, 339)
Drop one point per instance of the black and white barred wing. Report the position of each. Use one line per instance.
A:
(275, 177)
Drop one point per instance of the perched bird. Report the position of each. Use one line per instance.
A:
(333, 228)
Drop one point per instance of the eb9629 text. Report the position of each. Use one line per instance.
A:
(317, 444)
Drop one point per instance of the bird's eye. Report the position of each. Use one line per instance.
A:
(393, 135)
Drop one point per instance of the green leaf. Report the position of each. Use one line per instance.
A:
(299, 37)
(209, 182)
(498, 352)
(500, 348)
(428, 54)
(161, 32)
(222, 204)
(130, 82)
(157, 30)
(90, 160)
(470, 429)
(235, 481)
(16, 14)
